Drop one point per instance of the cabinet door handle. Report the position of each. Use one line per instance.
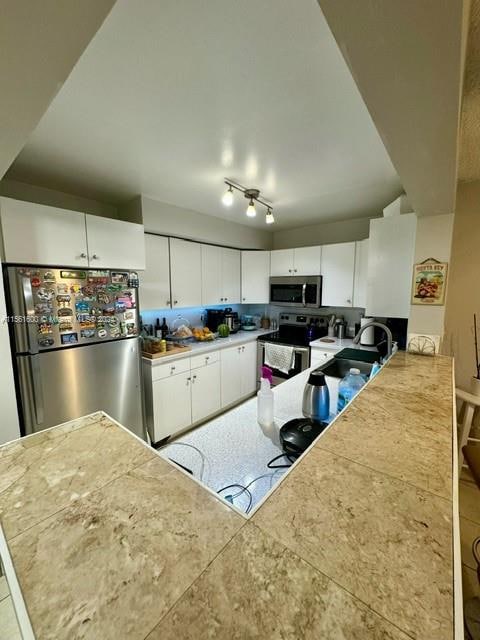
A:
(349, 301)
(207, 358)
(188, 381)
(169, 302)
(194, 378)
(221, 299)
(243, 348)
(226, 299)
(244, 299)
(172, 369)
(95, 257)
(175, 302)
(83, 255)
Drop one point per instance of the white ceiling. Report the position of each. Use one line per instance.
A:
(171, 97)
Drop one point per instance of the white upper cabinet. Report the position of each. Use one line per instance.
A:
(390, 263)
(154, 292)
(220, 275)
(281, 262)
(361, 270)
(39, 234)
(338, 264)
(114, 244)
(306, 261)
(211, 274)
(255, 277)
(303, 261)
(186, 273)
(231, 276)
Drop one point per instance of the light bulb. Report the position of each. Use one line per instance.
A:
(251, 213)
(269, 219)
(227, 197)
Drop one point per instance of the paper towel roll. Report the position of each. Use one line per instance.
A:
(368, 336)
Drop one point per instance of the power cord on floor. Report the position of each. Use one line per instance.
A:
(245, 489)
(230, 498)
(191, 446)
(288, 456)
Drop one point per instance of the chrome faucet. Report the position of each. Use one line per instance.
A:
(388, 333)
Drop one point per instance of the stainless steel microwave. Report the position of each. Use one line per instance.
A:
(296, 291)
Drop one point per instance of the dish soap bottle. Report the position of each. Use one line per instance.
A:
(349, 386)
(265, 399)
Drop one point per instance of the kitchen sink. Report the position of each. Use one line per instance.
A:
(338, 368)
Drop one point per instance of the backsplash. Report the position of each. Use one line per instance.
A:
(195, 315)
(352, 316)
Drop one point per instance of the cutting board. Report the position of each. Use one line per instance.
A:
(171, 352)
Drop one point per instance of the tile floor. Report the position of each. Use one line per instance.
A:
(469, 530)
(8, 622)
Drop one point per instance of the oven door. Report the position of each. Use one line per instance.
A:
(301, 362)
(296, 291)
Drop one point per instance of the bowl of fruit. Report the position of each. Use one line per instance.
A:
(203, 334)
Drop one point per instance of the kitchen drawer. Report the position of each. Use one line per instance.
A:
(204, 359)
(319, 356)
(161, 371)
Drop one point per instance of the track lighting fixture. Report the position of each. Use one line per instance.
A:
(227, 197)
(251, 213)
(252, 195)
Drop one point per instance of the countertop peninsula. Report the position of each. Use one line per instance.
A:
(109, 540)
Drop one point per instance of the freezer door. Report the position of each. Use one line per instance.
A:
(57, 386)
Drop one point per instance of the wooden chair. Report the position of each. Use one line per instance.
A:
(471, 402)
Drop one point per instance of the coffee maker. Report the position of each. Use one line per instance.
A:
(231, 320)
(214, 318)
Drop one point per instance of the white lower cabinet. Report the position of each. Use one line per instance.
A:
(181, 393)
(238, 372)
(172, 410)
(205, 391)
(249, 368)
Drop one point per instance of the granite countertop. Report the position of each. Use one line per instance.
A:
(109, 540)
(204, 347)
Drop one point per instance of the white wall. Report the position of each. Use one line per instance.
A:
(433, 240)
(326, 233)
(167, 219)
(41, 195)
(9, 427)
(41, 42)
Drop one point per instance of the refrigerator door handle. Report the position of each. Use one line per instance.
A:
(37, 388)
(29, 318)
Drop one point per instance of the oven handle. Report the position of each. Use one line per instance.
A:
(304, 292)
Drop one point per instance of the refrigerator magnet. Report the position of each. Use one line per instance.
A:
(69, 338)
(102, 333)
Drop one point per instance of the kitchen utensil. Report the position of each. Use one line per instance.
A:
(316, 397)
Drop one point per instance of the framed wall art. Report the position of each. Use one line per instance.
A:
(429, 282)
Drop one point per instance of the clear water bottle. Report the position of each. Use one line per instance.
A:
(349, 386)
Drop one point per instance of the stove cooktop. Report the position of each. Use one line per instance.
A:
(290, 342)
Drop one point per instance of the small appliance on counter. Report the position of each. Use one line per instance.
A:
(214, 318)
(230, 318)
(316, 397)
(248, 323)
(298, 434)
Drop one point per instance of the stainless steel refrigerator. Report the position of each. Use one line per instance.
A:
(75, 344)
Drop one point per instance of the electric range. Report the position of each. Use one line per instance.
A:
(294, 331)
